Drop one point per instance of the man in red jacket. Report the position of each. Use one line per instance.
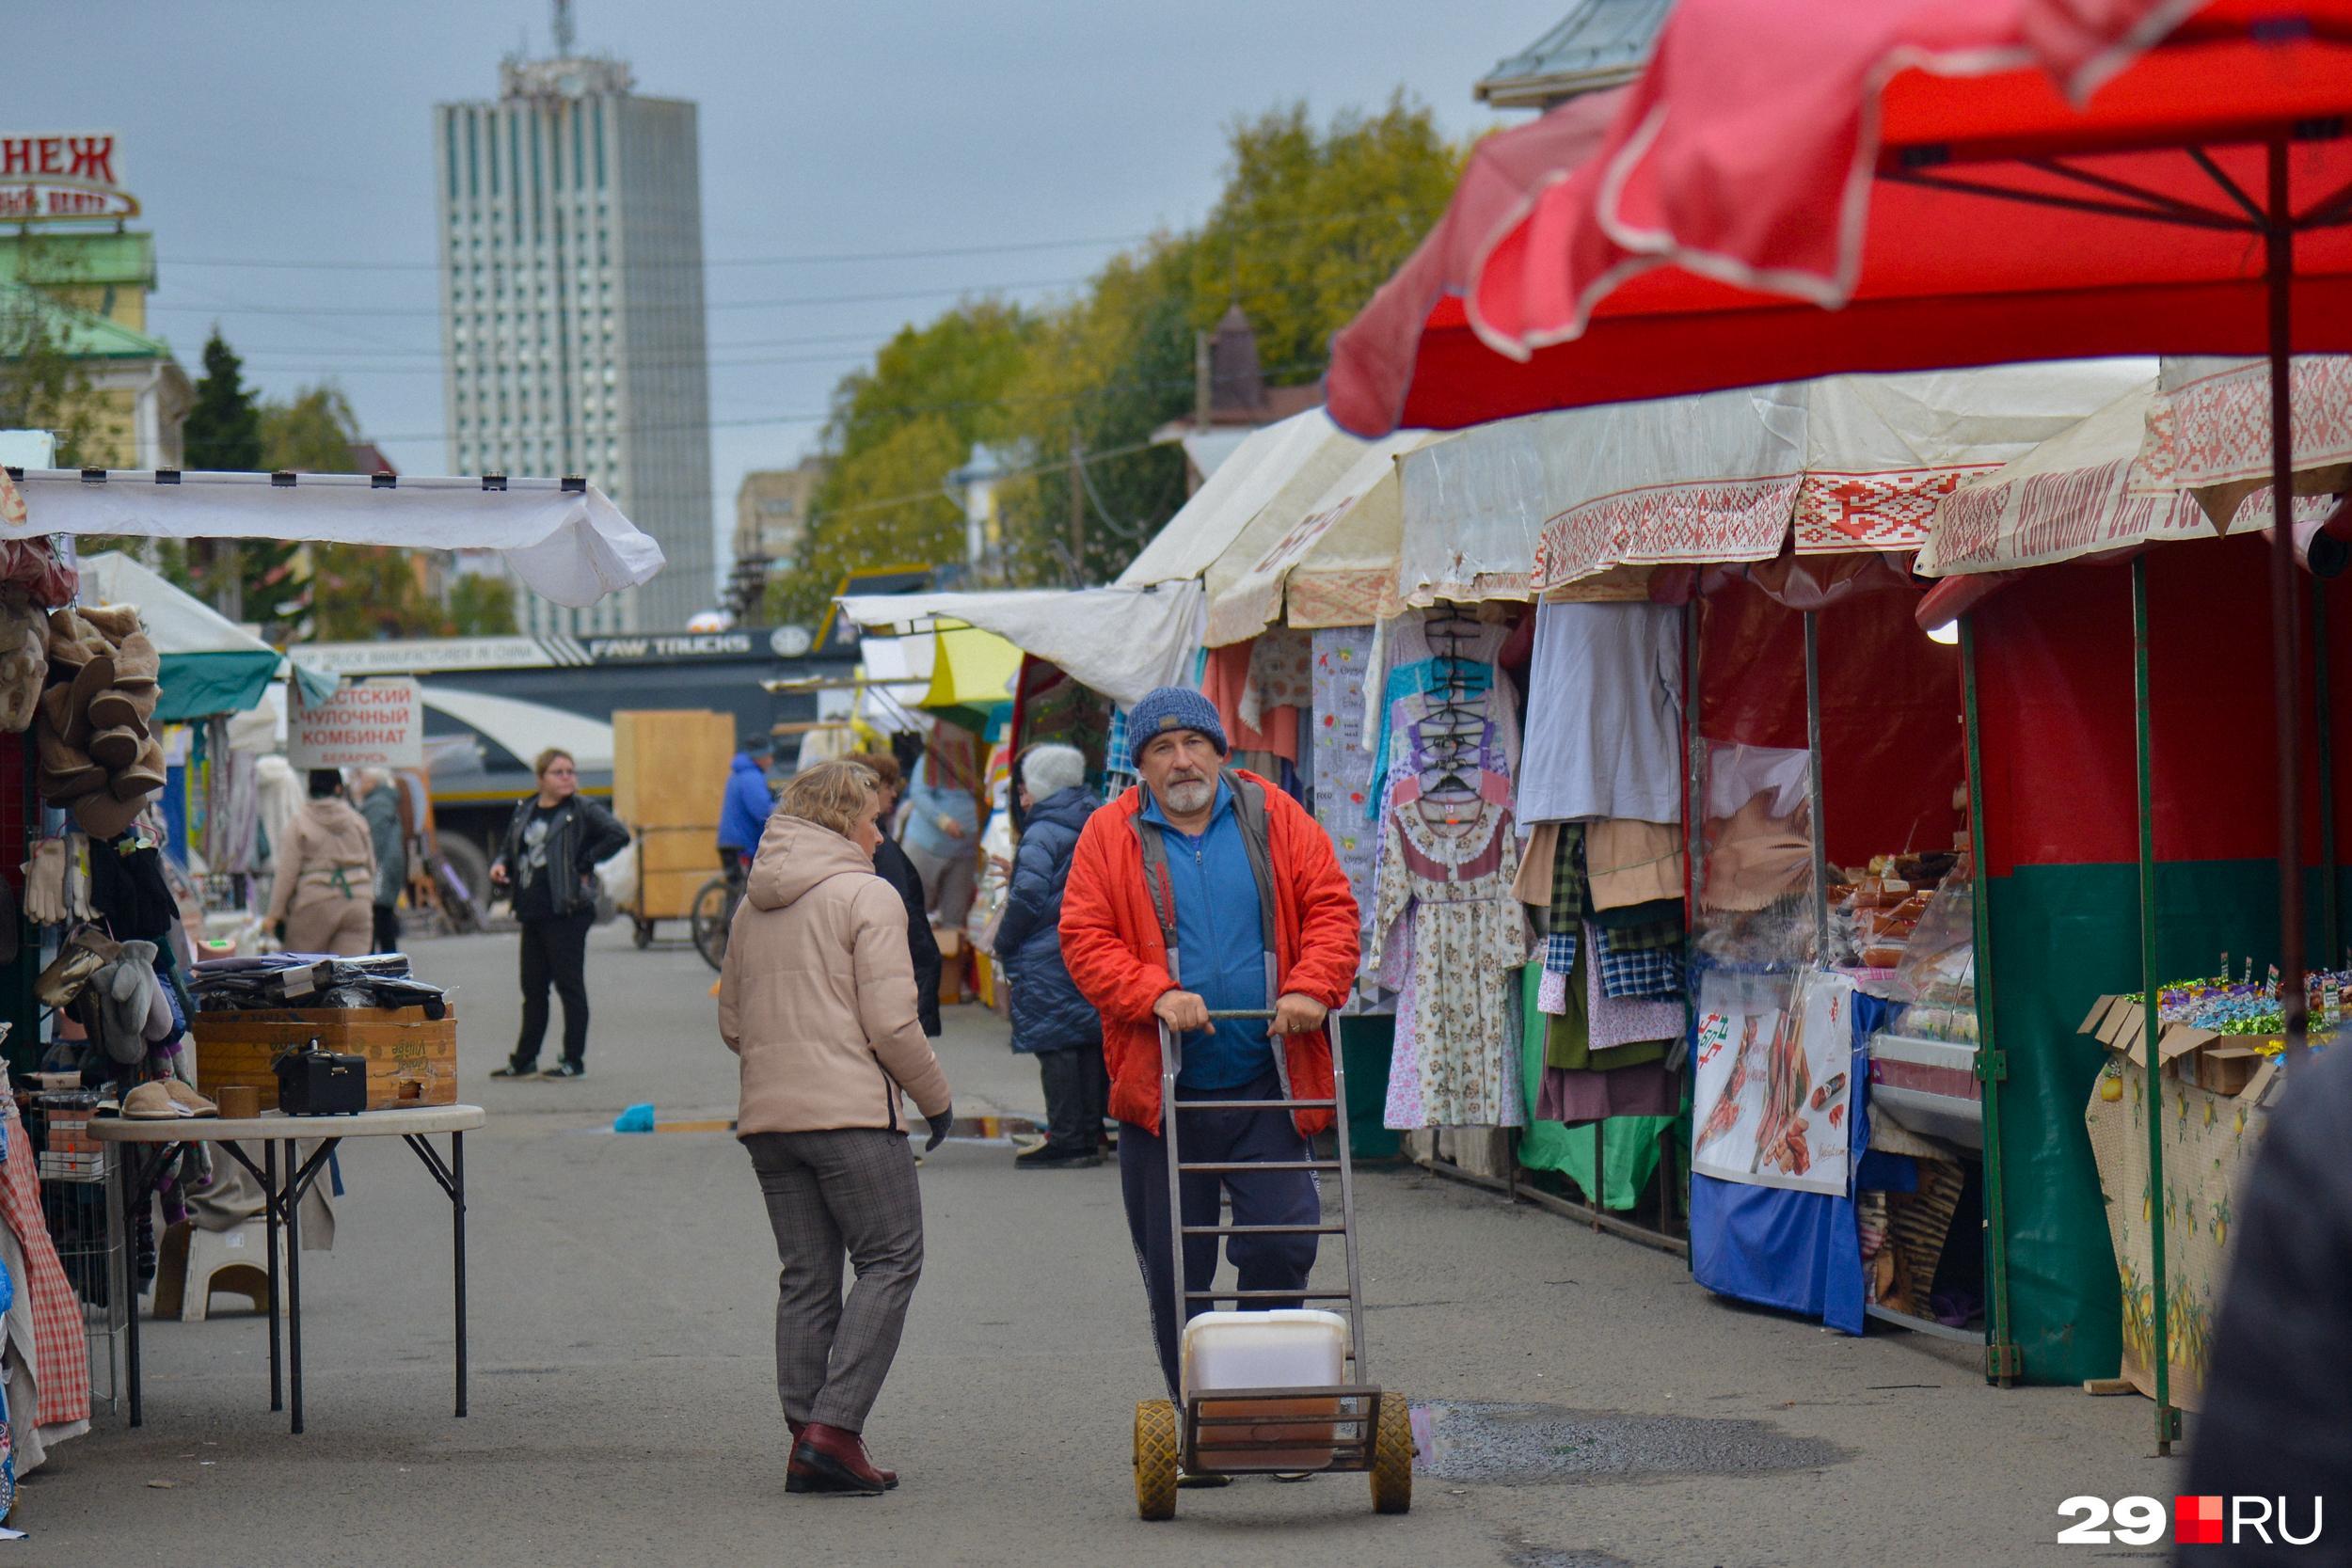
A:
(1206, 889)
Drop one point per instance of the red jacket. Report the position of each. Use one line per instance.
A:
(1111, 942)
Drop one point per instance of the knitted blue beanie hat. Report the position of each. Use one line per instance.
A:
(1172, 708)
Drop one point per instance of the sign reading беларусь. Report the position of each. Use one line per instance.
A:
(377, 724)
(47, 175)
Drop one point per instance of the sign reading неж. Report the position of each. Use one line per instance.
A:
(377, 724)
(47, 175)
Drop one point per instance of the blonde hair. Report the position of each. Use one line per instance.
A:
(832, 795)
(546, 760)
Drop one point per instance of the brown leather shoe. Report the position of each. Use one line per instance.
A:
(827, 1459)
(890, 1477)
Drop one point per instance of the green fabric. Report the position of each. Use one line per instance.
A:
(2063, 936)
(1658, 911)
(1568, 1036)
(1628, 1144)
(317, 686)
(1366, 1042)
(198, 685)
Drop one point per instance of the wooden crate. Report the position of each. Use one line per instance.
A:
(669, 777)
(412, 1059)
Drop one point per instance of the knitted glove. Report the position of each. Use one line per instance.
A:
(940, 1126)
(44, 883)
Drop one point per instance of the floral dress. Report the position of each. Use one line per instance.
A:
(1446, 887)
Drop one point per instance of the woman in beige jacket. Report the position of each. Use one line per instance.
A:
(816, 996)
(323, 897)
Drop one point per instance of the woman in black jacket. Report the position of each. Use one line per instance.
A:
(1050, 1020)
(547, 864)
(892, 865)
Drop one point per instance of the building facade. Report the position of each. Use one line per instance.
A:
(572, 340)
(771, 512)
(83, 295)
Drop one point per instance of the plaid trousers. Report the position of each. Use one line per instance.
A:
(853, 1192)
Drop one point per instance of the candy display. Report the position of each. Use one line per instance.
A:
(2247, 1005)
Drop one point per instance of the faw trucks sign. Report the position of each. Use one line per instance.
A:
(56, 175)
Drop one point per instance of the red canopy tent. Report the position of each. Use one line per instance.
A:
(1960, 182)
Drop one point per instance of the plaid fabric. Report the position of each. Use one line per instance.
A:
(1659, 936)
(1639, 974)
(59, 1342)
(1568, 897)
(1560, 952)
(1117, 763)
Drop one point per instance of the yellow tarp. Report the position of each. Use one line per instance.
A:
(971, 668)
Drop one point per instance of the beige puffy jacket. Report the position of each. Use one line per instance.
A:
(329, 854)
(817, 995)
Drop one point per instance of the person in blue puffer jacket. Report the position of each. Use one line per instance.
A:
(1050, 1020)
(744, 814)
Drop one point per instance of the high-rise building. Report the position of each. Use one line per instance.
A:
(572, 312)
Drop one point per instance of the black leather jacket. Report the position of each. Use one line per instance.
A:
(583, 833)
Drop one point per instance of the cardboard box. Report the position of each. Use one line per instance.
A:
(2227, 1068)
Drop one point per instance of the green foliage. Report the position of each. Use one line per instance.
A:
(896, 432)
(41, 386)
(1310, 222)
(223, 428)
(482, 605)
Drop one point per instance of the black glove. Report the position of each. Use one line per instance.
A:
(940, 1125)
(278, 931)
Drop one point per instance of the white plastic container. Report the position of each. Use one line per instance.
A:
(1291, 1348)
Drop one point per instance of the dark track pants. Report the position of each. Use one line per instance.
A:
(1260, 1197)
(555, 953)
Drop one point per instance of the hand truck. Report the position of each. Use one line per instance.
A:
(1262, 1431)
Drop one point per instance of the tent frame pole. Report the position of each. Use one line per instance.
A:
(2004, 1364)
(1813, 785)
(2168, 1417)
(2330, 933)
(2279, 244)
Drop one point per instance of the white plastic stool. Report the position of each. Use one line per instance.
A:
(194, 1262)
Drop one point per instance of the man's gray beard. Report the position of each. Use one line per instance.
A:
(1191, 796)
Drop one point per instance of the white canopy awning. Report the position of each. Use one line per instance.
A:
(1331, 557)
(1121, 642)
(1847, 463)
(2179, 455)
(571, 546)
(1294, 459)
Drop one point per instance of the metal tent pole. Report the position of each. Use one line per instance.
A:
(2331, 934)
(2279, 237)
(1813, 785)
(2002, 1363)
(2167, 1419)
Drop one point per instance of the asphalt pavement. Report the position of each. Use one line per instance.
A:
(1587, 1403)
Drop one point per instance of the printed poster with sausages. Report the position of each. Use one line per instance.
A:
(1773, 1086)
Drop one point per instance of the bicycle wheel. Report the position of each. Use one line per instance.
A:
(711, 913)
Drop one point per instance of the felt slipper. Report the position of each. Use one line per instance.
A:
(152, 1102)
(114, 622)
(136, 663)
(67, 651)
(23, 667)
(60, 718)
(188, 1100)
(89, 681)
(119, 708)
(66, 771)
(144, 776)
(106, 818)
(115, 749)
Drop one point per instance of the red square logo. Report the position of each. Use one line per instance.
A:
(2198, 1521)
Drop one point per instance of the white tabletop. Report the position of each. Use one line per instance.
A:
(277, 1125)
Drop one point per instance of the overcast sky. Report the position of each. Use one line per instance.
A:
(281, 151)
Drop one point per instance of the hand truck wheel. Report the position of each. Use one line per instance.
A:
(1392, 1457)
(1155, 1459)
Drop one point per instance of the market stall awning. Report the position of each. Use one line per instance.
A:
(1847, 462)
(1331, 558)
(210, 664)
(1293, 460)
(1120, 642)
(566, 544)
(972, 670)
(1972, 184)
(2183, 455)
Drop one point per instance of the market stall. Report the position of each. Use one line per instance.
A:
(98, 670)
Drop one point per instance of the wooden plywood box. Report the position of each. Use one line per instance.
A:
(412, 1059)
(669, 778)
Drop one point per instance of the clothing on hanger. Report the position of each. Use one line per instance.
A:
(1607, 739)
(1634, 862)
